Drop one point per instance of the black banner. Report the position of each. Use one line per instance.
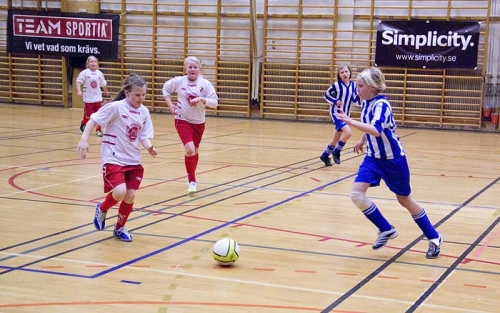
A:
(427, 44)
(59, 33)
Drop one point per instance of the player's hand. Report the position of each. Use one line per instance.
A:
(342, 116)
(82, 149)
(152, 151)
(198, 100)
(359, 146)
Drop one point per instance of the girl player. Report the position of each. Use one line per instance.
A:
(341, 94)
(194, 94)
(127, 123)
(385, 160)
(92, 80)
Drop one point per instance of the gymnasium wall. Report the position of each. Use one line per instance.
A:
(268, 58)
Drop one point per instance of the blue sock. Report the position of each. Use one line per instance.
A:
(328, 150)
(339, 147)
(425, 225)
(376, 217)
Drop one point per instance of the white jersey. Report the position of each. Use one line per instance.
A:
(124, 127)
(91, 82)
(187, 90)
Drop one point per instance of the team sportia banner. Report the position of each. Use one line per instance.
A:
(427, 44)
(59, 33)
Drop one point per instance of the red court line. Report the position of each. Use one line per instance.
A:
(323, 238)
(476, 286)
(166, 303)
(485, 245)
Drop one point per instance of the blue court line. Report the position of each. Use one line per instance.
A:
(161, 210)
(10, 268)
(131, 282)
(316, 253)
(389, 262)
(158, 221)
(208, 231)
(451, 268)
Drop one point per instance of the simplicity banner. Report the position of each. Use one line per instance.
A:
(427, 44)
(65, 34)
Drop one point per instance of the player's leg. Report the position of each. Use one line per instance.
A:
(367, 177)
(325, 156)
(87, 109)
(186, 134)
(398, 180)
(114, 186)
(133, 179)
(345, 134)
(95, 107)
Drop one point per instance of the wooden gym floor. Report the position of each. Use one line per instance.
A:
(304, 246)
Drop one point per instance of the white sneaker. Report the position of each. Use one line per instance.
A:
(192, 187)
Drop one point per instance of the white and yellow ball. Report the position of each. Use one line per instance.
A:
(226, 251)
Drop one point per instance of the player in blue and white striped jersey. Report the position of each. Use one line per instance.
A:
(385, 160)
(340, 95)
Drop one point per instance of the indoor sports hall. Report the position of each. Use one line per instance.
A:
(304, 245)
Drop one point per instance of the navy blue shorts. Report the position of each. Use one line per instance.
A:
(394, 172)
(338, 123)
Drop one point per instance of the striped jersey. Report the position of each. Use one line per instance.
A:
(378, 112)
(347, 94)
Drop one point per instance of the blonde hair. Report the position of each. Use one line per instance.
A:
(374, 78)
(90, 58)
(192, 59)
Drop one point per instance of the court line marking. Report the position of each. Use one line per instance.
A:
(84, 178)
(430, 290)
(180, 271)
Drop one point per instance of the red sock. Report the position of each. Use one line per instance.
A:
(123, 212)
(190, 162)
(108, 202)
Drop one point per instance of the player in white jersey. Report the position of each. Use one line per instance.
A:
(194, 94)
(126, 125)
(341, 95)
(385, 160)
(92, 80)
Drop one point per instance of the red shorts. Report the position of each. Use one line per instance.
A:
(90, 108)
(189, 132)
(115, 175)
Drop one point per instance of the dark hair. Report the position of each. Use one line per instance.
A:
(133, 80)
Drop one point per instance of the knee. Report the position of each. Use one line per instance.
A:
(347, 132)
(129, 196)
(119, 193)
(360, 200)
(189, 149)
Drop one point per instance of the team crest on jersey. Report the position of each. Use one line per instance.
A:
(93, 84)
(133, 131)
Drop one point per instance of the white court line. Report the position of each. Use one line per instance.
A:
(85, 178)
(251, 282)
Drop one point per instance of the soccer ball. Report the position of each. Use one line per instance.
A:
(226, 251)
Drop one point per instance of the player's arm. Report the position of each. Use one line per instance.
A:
(106, 92)
(83, 146)
(366, 128)
(331, 95)
(148, 145)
